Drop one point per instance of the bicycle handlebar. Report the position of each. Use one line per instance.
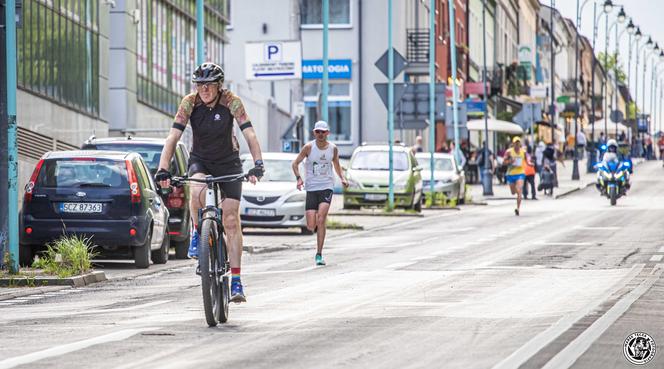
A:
(179, 181)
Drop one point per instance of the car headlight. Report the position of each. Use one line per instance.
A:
(298, 197)
(400, 187)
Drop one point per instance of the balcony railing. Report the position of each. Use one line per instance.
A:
(418, 45)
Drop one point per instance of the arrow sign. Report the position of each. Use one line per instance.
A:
(399, 63)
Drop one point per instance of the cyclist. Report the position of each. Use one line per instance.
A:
(320, 156)
(211, 111)
(515, 159)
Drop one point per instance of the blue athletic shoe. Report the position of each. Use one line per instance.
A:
(193, 246)
(237, 293)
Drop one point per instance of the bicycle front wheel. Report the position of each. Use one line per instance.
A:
(208, 263)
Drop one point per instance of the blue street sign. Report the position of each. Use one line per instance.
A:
(475, 106)
(338, 69)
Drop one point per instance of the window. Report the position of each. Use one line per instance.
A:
(339, 109)
(166, 48)
(58, 52)
(312, 12)
(379, 160)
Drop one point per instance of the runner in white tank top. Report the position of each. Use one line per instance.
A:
(322, 157)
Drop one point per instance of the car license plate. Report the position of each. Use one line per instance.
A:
(261, 212)
(80, 207)
(375, 197)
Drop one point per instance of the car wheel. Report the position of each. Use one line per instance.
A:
(305, 231)
(160, 256)
(181, 248)
(26, 255)
(142, 253)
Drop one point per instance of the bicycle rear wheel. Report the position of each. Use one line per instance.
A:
(208, 262)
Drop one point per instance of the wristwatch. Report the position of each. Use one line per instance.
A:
(298, 178)
(258, 163)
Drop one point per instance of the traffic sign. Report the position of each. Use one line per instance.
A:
(275, 60)
(399, 89)
(415, 102)
(617, 116)
(529, 114)
(399, 63)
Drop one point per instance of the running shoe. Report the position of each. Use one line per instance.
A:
(516, 212)
(319, 260)
(237, 293)
(193, 246)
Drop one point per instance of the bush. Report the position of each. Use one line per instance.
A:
(67, 256)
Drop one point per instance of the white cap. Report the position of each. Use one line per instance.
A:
(321, 125)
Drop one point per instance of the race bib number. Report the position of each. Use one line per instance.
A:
(517, 161)
(322, 169)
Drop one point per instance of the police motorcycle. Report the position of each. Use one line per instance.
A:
(613, 174)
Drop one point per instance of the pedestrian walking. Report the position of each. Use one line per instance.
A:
(515, 159)
(418, 145)
(321, 156)
(530, 177)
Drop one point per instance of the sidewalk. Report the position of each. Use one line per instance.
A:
(565, 183)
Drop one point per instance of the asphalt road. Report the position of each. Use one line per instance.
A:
(560, 286)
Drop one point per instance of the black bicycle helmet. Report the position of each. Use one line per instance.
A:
(208, 72)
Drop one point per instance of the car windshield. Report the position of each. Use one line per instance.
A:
(379, 160)
(88, 172)
(439, 164)
(150, 153)
(276, 170)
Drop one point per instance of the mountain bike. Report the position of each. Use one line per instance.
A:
(213, 265)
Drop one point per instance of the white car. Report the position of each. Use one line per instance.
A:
(449, 178)
(275, 201)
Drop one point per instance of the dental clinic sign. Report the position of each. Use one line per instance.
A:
(276, 60)
(337, 68)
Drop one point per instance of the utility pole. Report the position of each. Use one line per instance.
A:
(4, 189)
(455, 89)
(575, 163)
(432, 90)
(326, 59)
(553, 77)
(390, 105)
(487, 177)
(12, 152)
(200, 32)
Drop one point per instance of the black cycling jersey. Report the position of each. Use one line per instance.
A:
(212, 126)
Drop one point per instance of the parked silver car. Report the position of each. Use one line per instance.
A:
(449, 178)
(275, 201)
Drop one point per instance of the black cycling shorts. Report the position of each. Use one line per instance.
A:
(315, 198)
(233, 190)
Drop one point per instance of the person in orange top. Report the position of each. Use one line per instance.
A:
(529, 170)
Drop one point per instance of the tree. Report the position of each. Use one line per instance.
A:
(609, 64)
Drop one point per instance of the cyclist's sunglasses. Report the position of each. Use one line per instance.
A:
(318, 131)
(207, 86)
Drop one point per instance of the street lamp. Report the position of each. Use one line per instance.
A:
(631, 28)
(622, 16)
(608, 6)
(638, 34)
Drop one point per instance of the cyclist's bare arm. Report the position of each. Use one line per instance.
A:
(179, 124)
(337, 167)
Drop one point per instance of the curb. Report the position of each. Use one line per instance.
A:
(76, 281)
(31, 292)
(378, 214)
(573, 190)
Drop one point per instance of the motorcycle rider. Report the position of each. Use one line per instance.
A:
(612, 155)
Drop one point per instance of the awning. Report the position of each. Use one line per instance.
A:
(611, 127)
(495, 125)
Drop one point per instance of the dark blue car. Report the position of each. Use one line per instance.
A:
(107, 196)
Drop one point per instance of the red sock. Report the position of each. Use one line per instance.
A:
(235, 273)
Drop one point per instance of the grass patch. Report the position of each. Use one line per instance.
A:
(333, 224)
(67, 256)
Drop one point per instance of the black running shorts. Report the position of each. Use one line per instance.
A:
(233, 190)
(315, 198)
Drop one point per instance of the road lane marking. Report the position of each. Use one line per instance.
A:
(563, 243)
(598, 228)
(656, 258)
(400, 265)
(71, 347)
(532, 347)
(570, 354)
(661, 249)
(419, 258)
(306, 269)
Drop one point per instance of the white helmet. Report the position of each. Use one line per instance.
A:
(612, 143)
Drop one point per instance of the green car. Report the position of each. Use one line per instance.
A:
(368, 178)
